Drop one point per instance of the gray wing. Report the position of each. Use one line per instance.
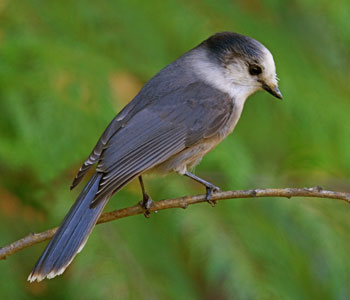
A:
(164, 82)
(160, 130)
(117, 123)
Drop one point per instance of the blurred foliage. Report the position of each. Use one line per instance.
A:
(67, 67)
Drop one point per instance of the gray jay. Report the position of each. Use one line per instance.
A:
(181, 114)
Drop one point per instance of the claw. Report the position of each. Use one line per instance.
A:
(146, 204)
(210, 190)
(147, 200)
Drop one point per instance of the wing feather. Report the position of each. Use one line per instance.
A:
(146, 158)
(116, 124)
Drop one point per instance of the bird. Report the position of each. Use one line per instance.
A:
(178, 116)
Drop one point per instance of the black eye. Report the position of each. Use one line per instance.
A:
(254, 70)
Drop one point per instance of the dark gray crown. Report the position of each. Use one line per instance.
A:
(228, 45)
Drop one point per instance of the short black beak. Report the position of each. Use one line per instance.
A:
(273, 90)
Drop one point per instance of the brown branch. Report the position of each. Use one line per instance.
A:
(35, 238)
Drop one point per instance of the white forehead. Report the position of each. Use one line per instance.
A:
(268, 64)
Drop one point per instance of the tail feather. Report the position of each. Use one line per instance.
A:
(72, 235)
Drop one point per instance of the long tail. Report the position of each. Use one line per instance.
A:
(72, 235)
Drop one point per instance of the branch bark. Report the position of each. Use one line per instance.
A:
(183, 202)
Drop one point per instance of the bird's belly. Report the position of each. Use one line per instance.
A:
(186, 159)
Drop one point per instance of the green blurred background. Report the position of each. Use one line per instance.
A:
(67, 67)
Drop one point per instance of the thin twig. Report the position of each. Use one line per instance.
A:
(316, 192)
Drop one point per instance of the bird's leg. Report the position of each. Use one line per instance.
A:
(147, 200)
(210, 188)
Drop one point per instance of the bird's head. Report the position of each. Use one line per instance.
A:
(243, 65)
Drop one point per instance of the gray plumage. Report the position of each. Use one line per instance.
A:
(177, 117)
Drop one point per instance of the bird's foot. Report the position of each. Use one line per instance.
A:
(146, 204)
(210, 190)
